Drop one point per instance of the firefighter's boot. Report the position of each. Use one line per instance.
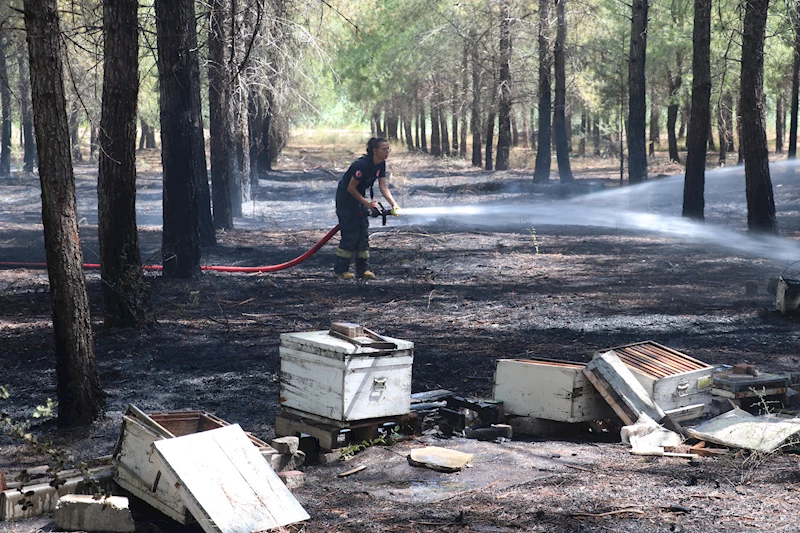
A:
(362, 269)
(341, 268)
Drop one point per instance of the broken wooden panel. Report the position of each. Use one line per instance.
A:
(225, 483)
(133, 455)
(740, 429)
(621, 389)
(340, 380)
(553, 390)
(675, 381)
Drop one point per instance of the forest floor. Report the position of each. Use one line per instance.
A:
(550, 271)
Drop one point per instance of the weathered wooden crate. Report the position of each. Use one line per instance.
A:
(137, 470)
(343, 379)
(679, 384)
(548, 389)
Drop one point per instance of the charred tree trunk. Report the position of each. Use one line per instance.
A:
(454, 112)
(220, 113)
(74, 133)
(637, 102)
(490, 120)
(780, 123)
(436, 140)
(176, 39)
(5, 100)
(126, 295)
(694, 181)
(407, 108)
(712, 145)
(475, 117)
(80, 398)
(504, 90)
(596, 135)
(760, 202)
(443, 125)
(26, 110)
(582, 142)
(559, 109)
(673, 108)
(793, 119)
(541, 173)
(423, 133)
(655, 131)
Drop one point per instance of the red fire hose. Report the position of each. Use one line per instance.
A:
(215, 268)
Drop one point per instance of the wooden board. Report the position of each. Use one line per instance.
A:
(226, 484)
(607, 372)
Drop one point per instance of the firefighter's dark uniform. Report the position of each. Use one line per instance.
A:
(353, 216)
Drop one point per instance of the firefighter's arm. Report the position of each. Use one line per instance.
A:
(384, 186)
(351, 188)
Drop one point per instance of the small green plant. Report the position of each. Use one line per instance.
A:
(58, 459)
(385, 439)
(532, 231)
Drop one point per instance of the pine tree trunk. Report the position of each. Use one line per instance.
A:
(694, 181)
(490, 120)
(637, 102)
(436, 140)
(423, 134)
(780, 124)
(475, 114)
(655, 130)
(541, 173)
(5, 101)
(443, 125)
(220, 113)
(793, 118)
(26, 109)
(760, 202)
(126, 295)
(504, 92)
(180, 246)
(80, 398)
(74, 133)
(454, 111)
(559, 108)
(582, 142)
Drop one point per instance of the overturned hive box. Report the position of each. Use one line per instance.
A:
(136, 466)
(548, 389)
(346, 373)
(680, 385)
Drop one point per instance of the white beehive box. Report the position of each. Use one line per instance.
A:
(679, 384)
(553, 390)
(340, 380)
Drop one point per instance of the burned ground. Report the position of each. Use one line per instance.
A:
(466, 294)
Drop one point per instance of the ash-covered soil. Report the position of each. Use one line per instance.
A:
(523, 278)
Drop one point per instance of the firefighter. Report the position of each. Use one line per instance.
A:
(353, 208)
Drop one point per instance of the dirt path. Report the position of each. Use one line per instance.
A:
(466, 292)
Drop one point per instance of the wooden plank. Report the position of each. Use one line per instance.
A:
(625, 385)
(45, 497)
(168, 502)
(608, 395)
(226, 484)
(326, 435)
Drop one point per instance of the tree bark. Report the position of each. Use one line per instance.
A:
(5, 100)
(475, 117)
(74, 133)
(423, 134)
(793, 119)
(490, 120)
(674, 82)
(126, 296)
(760, 202)
(175, 30)
(220, 113)
(694, 181)
(780, 123)
(559, 109)
(436, 140)
(80, 398)
(655, 114)
(637, 102)
(541, 173)
(26, 109)
(504, 90)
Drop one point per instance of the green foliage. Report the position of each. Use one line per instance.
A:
(386, 439)
(58, 459)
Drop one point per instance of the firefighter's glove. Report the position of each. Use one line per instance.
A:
(396, 210)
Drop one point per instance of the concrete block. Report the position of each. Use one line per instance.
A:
(287, 445)
(292, 479)
(78, 512)
(284, 461)
(330, 457)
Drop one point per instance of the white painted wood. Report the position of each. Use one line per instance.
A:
(678, 390)
(137, 471)
(337, 380)
(226, 484)
(622, 381)
(552, 390)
